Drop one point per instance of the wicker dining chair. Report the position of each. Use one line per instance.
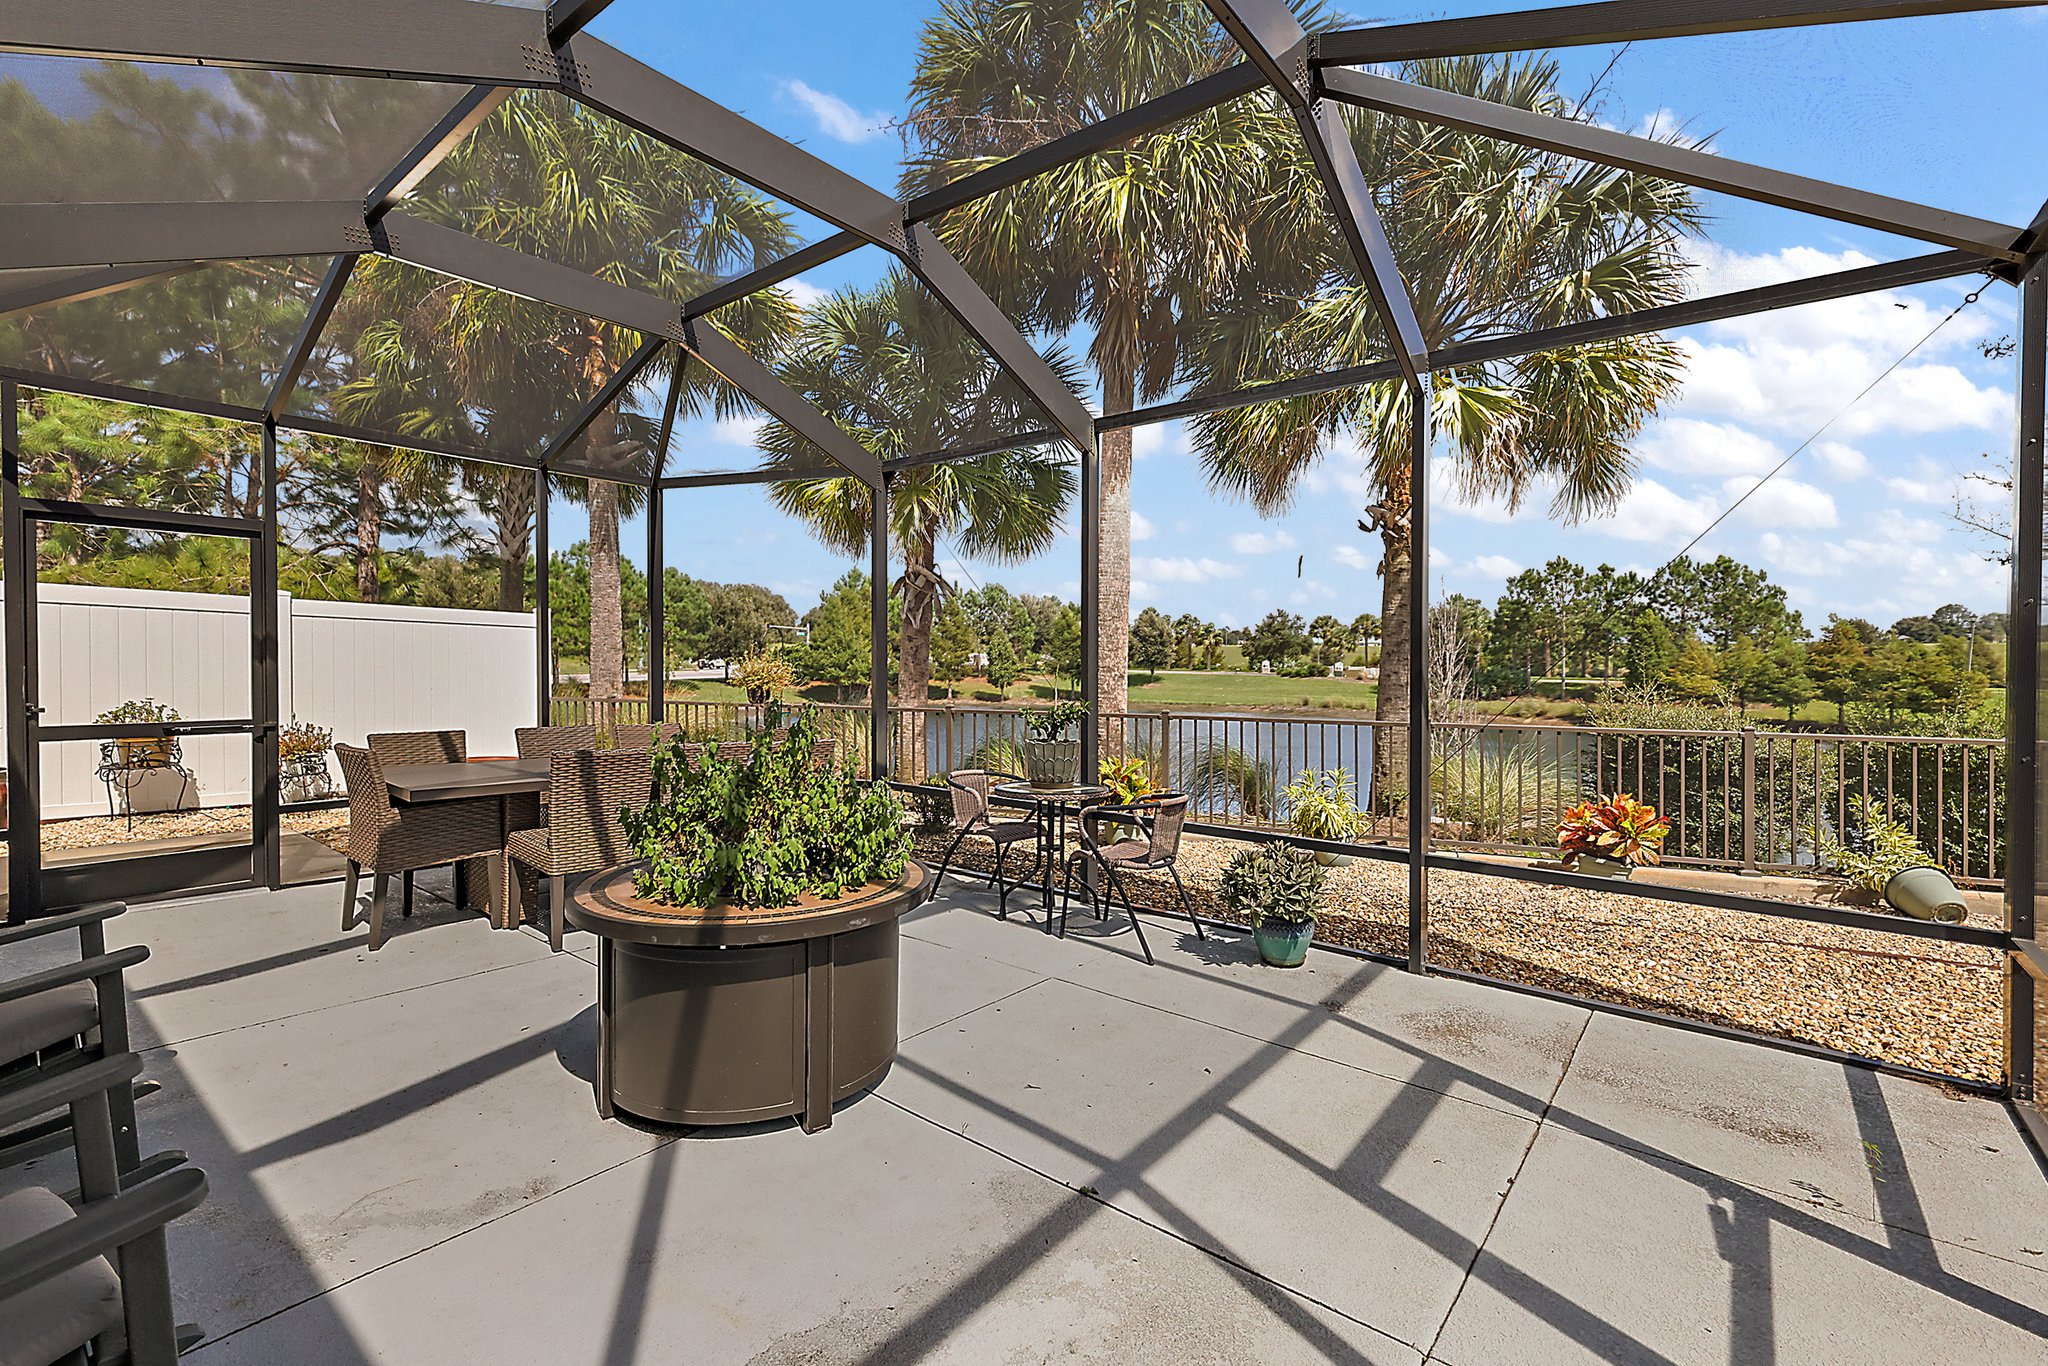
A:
(971, 788)
(645, 736)
(385, 839)
(1161, 816)
(586, 789)
(541, 742)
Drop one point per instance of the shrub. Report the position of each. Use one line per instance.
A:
(1129, 777)
(1320, 805)
(1225, 776)
(1493, 793)
(1874, 847)
(1276, 882)
(770, 674)
(1048, 724)
(766, 829)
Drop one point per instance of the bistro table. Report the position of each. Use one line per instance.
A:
(515, 783)
(1049, 807)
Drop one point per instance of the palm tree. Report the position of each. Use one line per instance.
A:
(1126, 243)
(550, 178)
(898, 372)
(1492, 239)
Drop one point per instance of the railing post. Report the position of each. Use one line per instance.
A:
(1749, 800)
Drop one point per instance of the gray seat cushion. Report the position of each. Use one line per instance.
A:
(47, 1018)
(63, 1313)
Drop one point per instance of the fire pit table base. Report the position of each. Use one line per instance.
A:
(742, 1031)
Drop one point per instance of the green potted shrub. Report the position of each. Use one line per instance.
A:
(142, 751)
(1611, 836)
(766, 829)
(1319, 807)
(1277, 888)
(765, 677)
(1052, 756)
(1879, 856)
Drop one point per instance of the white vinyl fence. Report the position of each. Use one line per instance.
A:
(354, 667)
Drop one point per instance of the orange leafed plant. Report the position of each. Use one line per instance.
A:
(1617, 827)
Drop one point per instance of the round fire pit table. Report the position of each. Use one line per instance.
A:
(731, 1014)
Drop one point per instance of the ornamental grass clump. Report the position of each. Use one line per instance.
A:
(1275, 882)
(766, 829)
(1619, 828)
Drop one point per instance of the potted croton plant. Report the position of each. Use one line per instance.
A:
(1611, 836)
(1052, 756)
(1277, 888)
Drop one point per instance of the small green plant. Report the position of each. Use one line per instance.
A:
(146, 710)
(1319, 805)
(1277, 882)
(933, 803)
(1872, 849)
(766, 829)
(1225, 775)
(1048, 724)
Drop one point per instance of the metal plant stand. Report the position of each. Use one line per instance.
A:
(736, 1014)
(125, 766)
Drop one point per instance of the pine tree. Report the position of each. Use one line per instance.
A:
(952, 644)
(1002, 661)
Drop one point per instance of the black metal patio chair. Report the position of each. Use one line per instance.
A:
(1161, 817)
(971, 788)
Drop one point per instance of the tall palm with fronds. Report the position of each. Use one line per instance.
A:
(905, 379)
(550, 178)
(1126, 244)
(1492, 239)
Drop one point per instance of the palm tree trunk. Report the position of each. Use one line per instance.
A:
(914, 663)
(1113, 573)
(607, 618)
(369, 521)
(1397, 583)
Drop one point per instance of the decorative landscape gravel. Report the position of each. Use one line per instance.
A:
(100, 832)
(1918, 1002)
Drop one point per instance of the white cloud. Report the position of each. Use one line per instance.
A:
(1261, 542)
(1496, 567)
(1159, 438)
(1182, 569)
(1141, 526)
(1651, 512)
(738, 431)
(1783, 502)
(836, 118)
(804, 294)
(1846, 461)
(1687, 445)
(1351, 557)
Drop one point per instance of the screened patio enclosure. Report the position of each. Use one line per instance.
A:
(347, 223)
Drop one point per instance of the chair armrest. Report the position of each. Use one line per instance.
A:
(102, 1227)
(50, 1093)
(84, 970)
(70, 920)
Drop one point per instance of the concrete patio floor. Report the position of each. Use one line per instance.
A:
(1077, 1157)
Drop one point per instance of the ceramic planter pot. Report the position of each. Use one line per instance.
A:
(1052, 763)
(1283, 945)
(1592, 865)
(1925, 893)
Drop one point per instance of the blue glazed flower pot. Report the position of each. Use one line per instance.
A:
(1283, 945)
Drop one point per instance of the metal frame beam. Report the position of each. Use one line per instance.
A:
(64, 285)
(2024, 865)
(774, 273)
(1687, 165)
(1274, 40)
(1228, 84)
(1617, 21)
(428, 40)
(450, 252)
(35, 236)
(329, 294)
(440, 141)
(606, 395)
(569, 17)
(880, 750)
(1690, 313)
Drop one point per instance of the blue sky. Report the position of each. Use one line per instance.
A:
(1924, 109)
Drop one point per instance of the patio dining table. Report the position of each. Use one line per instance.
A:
(1050, 807)
(505, 780)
